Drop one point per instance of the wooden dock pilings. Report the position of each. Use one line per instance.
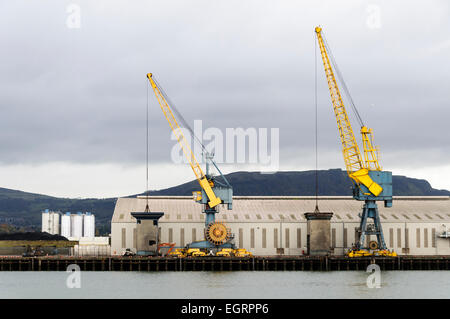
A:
(290, 263)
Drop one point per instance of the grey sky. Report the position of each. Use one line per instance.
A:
(78, 96)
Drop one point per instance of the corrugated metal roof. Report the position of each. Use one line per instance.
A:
(287, 208)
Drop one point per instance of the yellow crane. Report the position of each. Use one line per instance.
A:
(370, 183)
(212, 191)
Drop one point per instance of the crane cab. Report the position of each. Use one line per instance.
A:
(224, 193)
(382, 178)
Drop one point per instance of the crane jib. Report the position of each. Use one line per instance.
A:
(357, 168)
(173, 123)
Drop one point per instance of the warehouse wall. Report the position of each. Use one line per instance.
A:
(264, 238)
(259, 238)
(414, 233)
(122, 237)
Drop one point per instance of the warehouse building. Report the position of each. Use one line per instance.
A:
(272, 225)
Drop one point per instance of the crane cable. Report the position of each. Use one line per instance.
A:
(180, 117)
(188, 127)
(147, 208)
(316, 210)
(341, 79)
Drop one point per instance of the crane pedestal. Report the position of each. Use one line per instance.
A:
(370, 210)
(210, 215)
(223, 235)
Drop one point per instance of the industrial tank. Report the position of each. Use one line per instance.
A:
(55, 223)
(89, 225)
(46, 221)
(50, 222)
(65, 225)
(77, 225)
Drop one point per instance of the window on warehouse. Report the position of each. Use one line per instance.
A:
(287, 238)
(418, 237)
(241, 238)
(275, 238)
(345, 238)
(264, 238)
(252, 238)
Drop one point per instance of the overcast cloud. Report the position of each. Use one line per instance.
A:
(73, 100)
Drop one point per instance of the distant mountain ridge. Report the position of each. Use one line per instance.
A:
(24, 209)
(332, 182)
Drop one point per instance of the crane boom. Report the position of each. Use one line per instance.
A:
(350, 149)
(201, 177)
(357, 169)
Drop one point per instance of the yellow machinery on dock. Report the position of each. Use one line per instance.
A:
(178, 252)
(366, 253)
(225, 252)
(197, 252)
(242, 252)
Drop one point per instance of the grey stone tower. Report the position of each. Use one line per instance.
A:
(318, 240)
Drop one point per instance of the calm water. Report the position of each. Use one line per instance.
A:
(351, 284)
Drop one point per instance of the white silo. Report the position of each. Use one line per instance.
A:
(72, 224)
(65, 225)
(89, 225)
(55, 220)
(50, 222)
(46, 225)
(77, 225)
